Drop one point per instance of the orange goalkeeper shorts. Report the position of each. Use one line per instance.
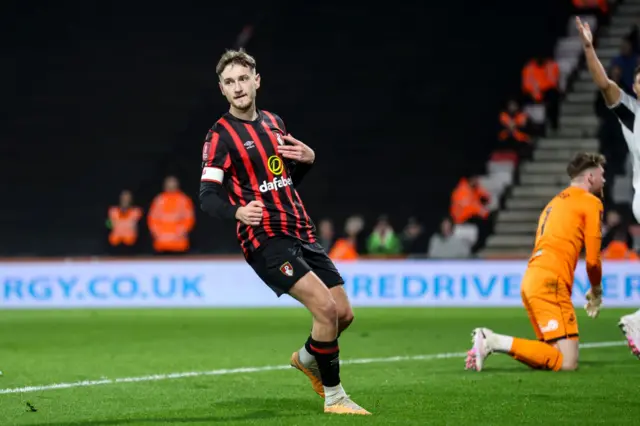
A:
(547, 300)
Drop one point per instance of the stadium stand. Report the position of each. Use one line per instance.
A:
(116, 112)
(543, 177)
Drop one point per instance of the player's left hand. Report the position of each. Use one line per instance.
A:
(297, 151)
(594, 301)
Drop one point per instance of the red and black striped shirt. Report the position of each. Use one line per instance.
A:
(242, 156)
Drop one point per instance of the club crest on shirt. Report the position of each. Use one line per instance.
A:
(287, 269)
(280, 141)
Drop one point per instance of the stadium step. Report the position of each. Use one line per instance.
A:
(629, 9)
(618, 31)
(568, 144)
(579, 120)
(527, 229)
(577, 108)
(584, 86)
(552, 154)
(582, 97)
(529, 215)
(517, 203)
(578, 132)
(622, 21)
(537, 191)
(509, 241)
(545, 167)
(502, 253)
(585, 76)
(607, 53)
(611, 42)
(527, 179)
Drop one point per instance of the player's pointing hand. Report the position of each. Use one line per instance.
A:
(251, 214)
(585, 32)
(297, 151)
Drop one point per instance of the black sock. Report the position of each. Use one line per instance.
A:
(327, 355)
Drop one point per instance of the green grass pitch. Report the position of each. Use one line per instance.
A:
(42, 348)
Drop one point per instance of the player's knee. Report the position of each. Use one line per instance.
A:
(327, 311)
(345, 317)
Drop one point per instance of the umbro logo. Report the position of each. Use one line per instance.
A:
(249, 144)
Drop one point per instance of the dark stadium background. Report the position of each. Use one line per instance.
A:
(101, 96)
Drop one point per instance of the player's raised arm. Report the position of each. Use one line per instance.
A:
(609, 88)
(593, 242)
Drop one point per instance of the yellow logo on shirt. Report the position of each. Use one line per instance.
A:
(275, 165)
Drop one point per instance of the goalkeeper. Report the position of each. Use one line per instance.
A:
(570, 221)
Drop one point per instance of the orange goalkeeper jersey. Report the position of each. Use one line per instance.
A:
(572, 220)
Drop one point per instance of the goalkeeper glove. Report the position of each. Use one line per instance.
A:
(594, 300)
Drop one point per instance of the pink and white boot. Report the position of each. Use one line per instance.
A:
(480, 350)
(630, 326)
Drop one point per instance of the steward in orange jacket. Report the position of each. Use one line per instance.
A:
(539, 76)
(171, 218)
(541, 83)
(602, 5)
(513, 124)
(344, 249)
(468, 200)
(123, 221)
(619, 250)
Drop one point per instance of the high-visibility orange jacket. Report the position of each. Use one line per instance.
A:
(618, 250)
(537, 79)
(343, 249)
(512, 126)
(124, 225)
(170, 220)
(466, 202)
(603, 5)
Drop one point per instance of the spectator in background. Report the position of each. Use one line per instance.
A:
(614, 225)
(413, 237)
(123, 223)
(383, 240)
(326, 234)
(346, 248)
(445, 245)
(599, 8)
(541, 84)
(626, 62)
(514, 130)
(171, 218)
(468, 205)
(618, 248)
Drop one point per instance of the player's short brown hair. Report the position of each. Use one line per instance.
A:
(583, 161)
(239, 57)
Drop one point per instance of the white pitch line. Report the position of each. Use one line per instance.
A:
(223, 372)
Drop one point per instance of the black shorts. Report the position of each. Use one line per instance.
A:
(281, 261)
